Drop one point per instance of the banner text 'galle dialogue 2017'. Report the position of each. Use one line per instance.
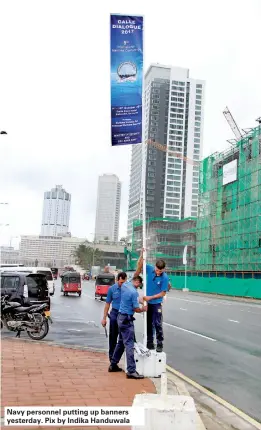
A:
(126, 79)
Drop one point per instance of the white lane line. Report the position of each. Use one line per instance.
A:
(186, 300)
(250, 312)
(67, 306)
(234, 321)
(182, 309)
(73, 329)
(191, 332)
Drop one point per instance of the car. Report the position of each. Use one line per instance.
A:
(42, 270)
(25, 288)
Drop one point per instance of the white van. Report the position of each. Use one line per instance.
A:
(43, 270)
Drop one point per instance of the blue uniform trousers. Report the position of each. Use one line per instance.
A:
(113, 332)
(154, 323)
(125, 341)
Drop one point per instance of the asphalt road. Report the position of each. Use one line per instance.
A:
(214, 341)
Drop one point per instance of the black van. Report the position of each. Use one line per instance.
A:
(26, 288)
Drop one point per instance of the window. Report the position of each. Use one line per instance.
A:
(198, 86)
(198, 118)
(9, 284)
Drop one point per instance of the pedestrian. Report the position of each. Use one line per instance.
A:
(128, 306)
(113, 299)
(157, 286)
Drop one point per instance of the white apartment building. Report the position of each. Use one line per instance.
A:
(56, 212)
(51, 251)
(108, 208)
(9, 255)
(59, 251)
(174, 118)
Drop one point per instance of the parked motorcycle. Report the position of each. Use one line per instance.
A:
(33, 319)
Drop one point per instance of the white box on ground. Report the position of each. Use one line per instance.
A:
(166, 412)
(152, 366)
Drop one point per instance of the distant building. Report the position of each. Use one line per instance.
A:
(57, 251)
(108, 208)
(166, 240)
(56, 212)
(174, 116)
(9, 255)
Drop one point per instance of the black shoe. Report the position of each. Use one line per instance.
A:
(159, 348)
(134, 375)
(114, 368)
(150, 346)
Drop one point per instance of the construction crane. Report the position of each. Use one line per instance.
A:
(233, 125)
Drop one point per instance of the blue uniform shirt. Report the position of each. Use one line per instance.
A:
(114, 296)
(155, 284)
(129, 299)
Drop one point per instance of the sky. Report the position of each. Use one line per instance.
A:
(55, 93)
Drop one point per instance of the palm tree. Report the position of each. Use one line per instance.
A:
(87, 256)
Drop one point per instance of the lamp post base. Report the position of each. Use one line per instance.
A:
(150, 367)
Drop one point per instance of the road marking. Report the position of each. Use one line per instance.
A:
(218, 399)
(191, 332)
(67, 306)
(182, 309)
(234, 321)
(73, 329)
(186, 300)
(250, 312)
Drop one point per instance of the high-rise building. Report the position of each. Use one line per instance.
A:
(174, 117)
(56, 212)
(229, 221)
(108, 208)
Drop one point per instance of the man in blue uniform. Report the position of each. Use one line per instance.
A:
(129, 305)
(113, 299)
(157, 286)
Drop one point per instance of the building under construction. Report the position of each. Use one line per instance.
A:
(166, 239)
(229, 221)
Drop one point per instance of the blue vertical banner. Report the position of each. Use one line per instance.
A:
(126, 79)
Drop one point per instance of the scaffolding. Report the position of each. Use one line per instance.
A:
(229, 221)
(166, 239)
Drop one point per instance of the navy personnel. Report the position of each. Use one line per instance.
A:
(128, 306)
(113, 299)
(157, 286)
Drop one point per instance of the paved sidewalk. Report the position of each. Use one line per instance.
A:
(37, 374)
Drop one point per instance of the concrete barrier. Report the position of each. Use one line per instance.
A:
(163, 411)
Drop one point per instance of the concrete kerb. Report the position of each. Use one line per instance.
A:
(214, 397)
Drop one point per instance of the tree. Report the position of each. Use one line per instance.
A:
(87, 256)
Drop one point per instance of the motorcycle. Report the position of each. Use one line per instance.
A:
(33, 319)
